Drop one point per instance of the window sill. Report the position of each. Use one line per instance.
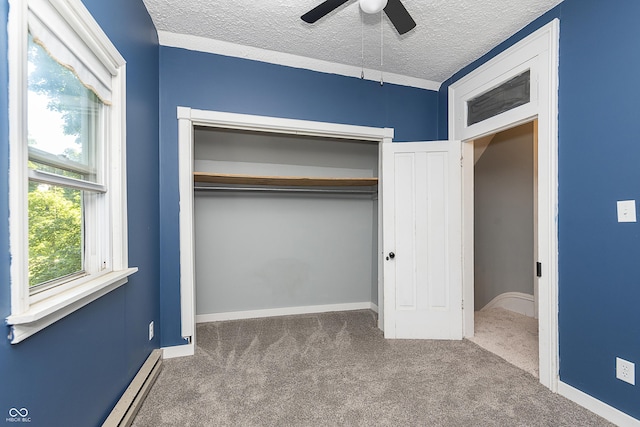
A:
(43, 313)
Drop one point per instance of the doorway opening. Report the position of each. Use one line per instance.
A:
(505, 245)
(537, 53)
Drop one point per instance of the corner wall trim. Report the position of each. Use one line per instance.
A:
(178, 351)
(596, 406)
(285, 311)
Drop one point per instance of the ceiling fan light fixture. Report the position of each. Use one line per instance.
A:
(372, 6)
(394, 9)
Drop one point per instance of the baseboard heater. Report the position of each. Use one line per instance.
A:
(127, 407)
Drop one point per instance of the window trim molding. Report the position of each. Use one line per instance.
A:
(28, 314)
(18, 155)
(44, 313)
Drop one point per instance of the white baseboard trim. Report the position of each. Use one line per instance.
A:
(513, 301)
(178, 351)
(596, 406)
(285, 311)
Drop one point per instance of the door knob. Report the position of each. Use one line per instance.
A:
(391, 256)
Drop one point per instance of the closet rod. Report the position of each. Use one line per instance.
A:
(285, 190)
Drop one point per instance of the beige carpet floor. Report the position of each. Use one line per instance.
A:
(510, 335)
(336, 369)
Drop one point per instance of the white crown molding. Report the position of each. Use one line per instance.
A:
(203, 44)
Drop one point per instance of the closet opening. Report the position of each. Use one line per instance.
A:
(505, 245)
(283, 224)
(273, 178)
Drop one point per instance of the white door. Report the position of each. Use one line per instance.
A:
(422, 240)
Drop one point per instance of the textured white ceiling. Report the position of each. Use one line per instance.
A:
(449, 33)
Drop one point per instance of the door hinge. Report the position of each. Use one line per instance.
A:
(539, 269)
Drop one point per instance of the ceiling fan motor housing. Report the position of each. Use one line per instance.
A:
(372, 6)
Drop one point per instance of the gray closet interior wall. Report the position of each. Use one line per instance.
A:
(270, 250)
(504, 216)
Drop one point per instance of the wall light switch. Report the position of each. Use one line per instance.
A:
(626, 211)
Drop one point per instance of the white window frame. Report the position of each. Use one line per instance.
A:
(32, 313)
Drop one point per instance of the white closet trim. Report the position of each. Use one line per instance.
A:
(187, 119)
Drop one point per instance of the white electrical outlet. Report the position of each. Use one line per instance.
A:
(626, 371)
(150, 330)
(626, 211)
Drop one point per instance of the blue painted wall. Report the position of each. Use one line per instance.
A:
(73, 372)
(599, 158)
(213, 82)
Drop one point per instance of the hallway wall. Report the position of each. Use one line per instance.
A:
(504, 216)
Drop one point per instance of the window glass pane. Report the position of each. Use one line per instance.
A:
(509, 95)
(55, 233)
(64, 119)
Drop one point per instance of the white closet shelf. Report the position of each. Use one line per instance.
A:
(289, 181)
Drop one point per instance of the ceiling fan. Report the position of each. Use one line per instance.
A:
(394, 9)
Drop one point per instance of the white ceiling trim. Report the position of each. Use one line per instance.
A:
(203, 44)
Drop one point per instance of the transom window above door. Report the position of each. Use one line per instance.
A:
(509, 95)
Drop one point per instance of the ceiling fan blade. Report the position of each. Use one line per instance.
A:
(321, 10)
(399, 16)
